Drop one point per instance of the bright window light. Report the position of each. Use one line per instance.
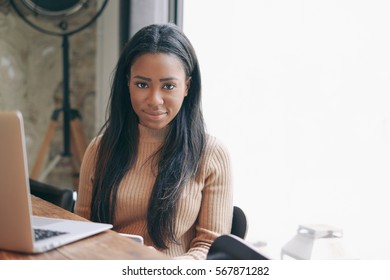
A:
(299, 91)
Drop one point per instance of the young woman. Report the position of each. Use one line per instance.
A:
(153, 170)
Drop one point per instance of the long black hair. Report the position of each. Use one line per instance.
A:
(179, 155)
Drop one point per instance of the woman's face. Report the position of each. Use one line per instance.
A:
(157, 85)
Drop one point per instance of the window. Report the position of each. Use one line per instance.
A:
(299, 91)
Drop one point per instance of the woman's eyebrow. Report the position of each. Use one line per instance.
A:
(149, 79)
(168, 79)
(142, 78)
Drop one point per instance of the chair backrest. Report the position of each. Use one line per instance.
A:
(231, 247)
(239, 223)
(60, 196)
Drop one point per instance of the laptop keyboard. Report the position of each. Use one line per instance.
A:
(44, 233)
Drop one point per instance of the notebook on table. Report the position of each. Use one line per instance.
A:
(19, 230)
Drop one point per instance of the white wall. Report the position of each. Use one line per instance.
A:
(145, 12)
(299, 92)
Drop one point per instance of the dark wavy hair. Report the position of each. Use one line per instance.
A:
(178, 157)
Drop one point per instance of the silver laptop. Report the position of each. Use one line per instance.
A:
(19, 229)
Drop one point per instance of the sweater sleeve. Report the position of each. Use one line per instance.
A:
(84, 194)
(216, 211)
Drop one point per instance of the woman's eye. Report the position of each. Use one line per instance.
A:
(141, 85)
(169, 86)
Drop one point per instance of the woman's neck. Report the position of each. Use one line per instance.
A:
(151, 135)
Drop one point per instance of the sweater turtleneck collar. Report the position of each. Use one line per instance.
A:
(152, 135)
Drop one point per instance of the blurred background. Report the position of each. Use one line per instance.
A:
(297, 90)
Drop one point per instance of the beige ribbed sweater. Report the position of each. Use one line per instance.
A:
(205, 207)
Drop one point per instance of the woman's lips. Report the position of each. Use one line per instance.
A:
(155, 114)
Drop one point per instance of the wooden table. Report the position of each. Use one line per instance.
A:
(106, 245)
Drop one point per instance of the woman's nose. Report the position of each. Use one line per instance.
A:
(155, 98)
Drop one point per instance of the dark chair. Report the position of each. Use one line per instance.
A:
(239, 223)
(60, 196)
(231, 247)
